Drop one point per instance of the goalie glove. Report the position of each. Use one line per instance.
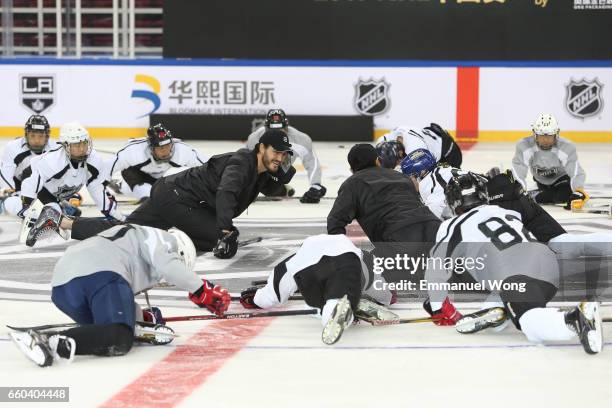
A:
(213, 297)
(314, 194)
(445, 316)
(577, 200)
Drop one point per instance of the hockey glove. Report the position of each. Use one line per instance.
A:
(212, 297)
(577, 200)
(75, 200)
(153, 315)
(227, 246)
(314, 194)
(247, 298)
(446, 316)
(69, 209)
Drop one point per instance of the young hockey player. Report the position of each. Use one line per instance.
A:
(433, 138)
(60, 173)
(302, 147)
(201, 201)
(390, 154)
(95, 281)
(554, 164)
(15, 165)
(329, 272)
(526, 272)
(143, 161)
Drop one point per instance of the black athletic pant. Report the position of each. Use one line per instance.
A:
(163, 210)
(558, 192)
(134, 177)
(331, 278)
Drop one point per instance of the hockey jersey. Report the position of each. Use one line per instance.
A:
(416, 138)
(301, 144)
(137, 155)
(55, 173)
(16, 160)
(547, 166)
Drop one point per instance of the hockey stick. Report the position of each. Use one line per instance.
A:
(401, 321)
(265, 199)
(248, 315)
(249, 241)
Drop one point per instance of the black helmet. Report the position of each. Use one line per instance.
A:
(159, 136)
(276, 119)
(36, 123)
(466, 190)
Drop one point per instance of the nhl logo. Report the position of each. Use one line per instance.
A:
(372, 97)
(583, 98)
(37, 92)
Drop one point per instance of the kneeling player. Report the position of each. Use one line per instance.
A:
(329, 272)
(95, 281)
(527, 272)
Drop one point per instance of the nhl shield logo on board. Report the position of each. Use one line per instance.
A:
(583, 98)
(37, 92)
(372, 97)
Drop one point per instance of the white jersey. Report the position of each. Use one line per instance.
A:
(278, 289)
(55, 173)
(418, 138)
(137, 155)
(431, 189)
(16, 159)
(301, 144)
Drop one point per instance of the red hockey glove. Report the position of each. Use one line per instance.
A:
(212, 297)
(247, 298)
(446, 316)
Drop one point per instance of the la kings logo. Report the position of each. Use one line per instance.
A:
(37, 92)
(372, 97)
(583, 98)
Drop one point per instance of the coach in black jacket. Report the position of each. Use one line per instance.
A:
(385, 203)
(202, 201)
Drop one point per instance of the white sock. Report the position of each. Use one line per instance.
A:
(545, 324)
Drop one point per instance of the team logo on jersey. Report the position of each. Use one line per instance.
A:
(547, 172)
(583, 98)
(372, 97)
(37, 92)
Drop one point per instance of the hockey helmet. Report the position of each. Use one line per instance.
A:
(466, 190)
(276, 119)
(389, 153)
(185, 247)
(545, 125)
(418, 163)
(160, 136)
(36, 123)
(71, 134)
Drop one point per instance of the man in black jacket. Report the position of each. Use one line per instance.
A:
(202, 201)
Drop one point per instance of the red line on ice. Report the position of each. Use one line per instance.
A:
(175, 377)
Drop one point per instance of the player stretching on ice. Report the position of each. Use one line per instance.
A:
(94, 284)
(527, 271)
(329, 272)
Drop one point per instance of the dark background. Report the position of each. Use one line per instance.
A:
(385, 29)
(239, 127)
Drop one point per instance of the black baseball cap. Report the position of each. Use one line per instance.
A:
(362, 156)
(277, 139)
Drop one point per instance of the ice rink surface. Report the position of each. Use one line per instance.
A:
(281, 362)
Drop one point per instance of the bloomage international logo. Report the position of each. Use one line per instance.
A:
(592, 4)
(151, 94)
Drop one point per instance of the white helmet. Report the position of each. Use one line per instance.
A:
(186, 249)
(545, 124)
(74, 132)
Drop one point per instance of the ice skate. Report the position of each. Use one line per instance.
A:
(481, 320)
(370, 311)
(585, 320)
(48, 221)
(341, 317)
(158, 335)
(42, 349)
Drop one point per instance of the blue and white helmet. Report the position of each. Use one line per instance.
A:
(418, 163)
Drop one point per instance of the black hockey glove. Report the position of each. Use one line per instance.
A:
(227, 245)
(314, 194)
(247, 297)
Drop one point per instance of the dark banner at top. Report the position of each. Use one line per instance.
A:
(389, 29)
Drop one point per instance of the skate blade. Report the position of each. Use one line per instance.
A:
(335, 326)
(472, 324)
(158, 335)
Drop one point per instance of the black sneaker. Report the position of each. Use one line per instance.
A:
(48, 221)
(481, 320)
(585, 320)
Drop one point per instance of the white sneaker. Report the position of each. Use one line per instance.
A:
(341, 317)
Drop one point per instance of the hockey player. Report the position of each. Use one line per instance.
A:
(18, 153)
(554, 164)
(526, 271)
(201, 201)
(143, 161)
(329, 272)
(60, 173)
(95, 281)
(433, 138)
(390, 154)
(302, 147)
